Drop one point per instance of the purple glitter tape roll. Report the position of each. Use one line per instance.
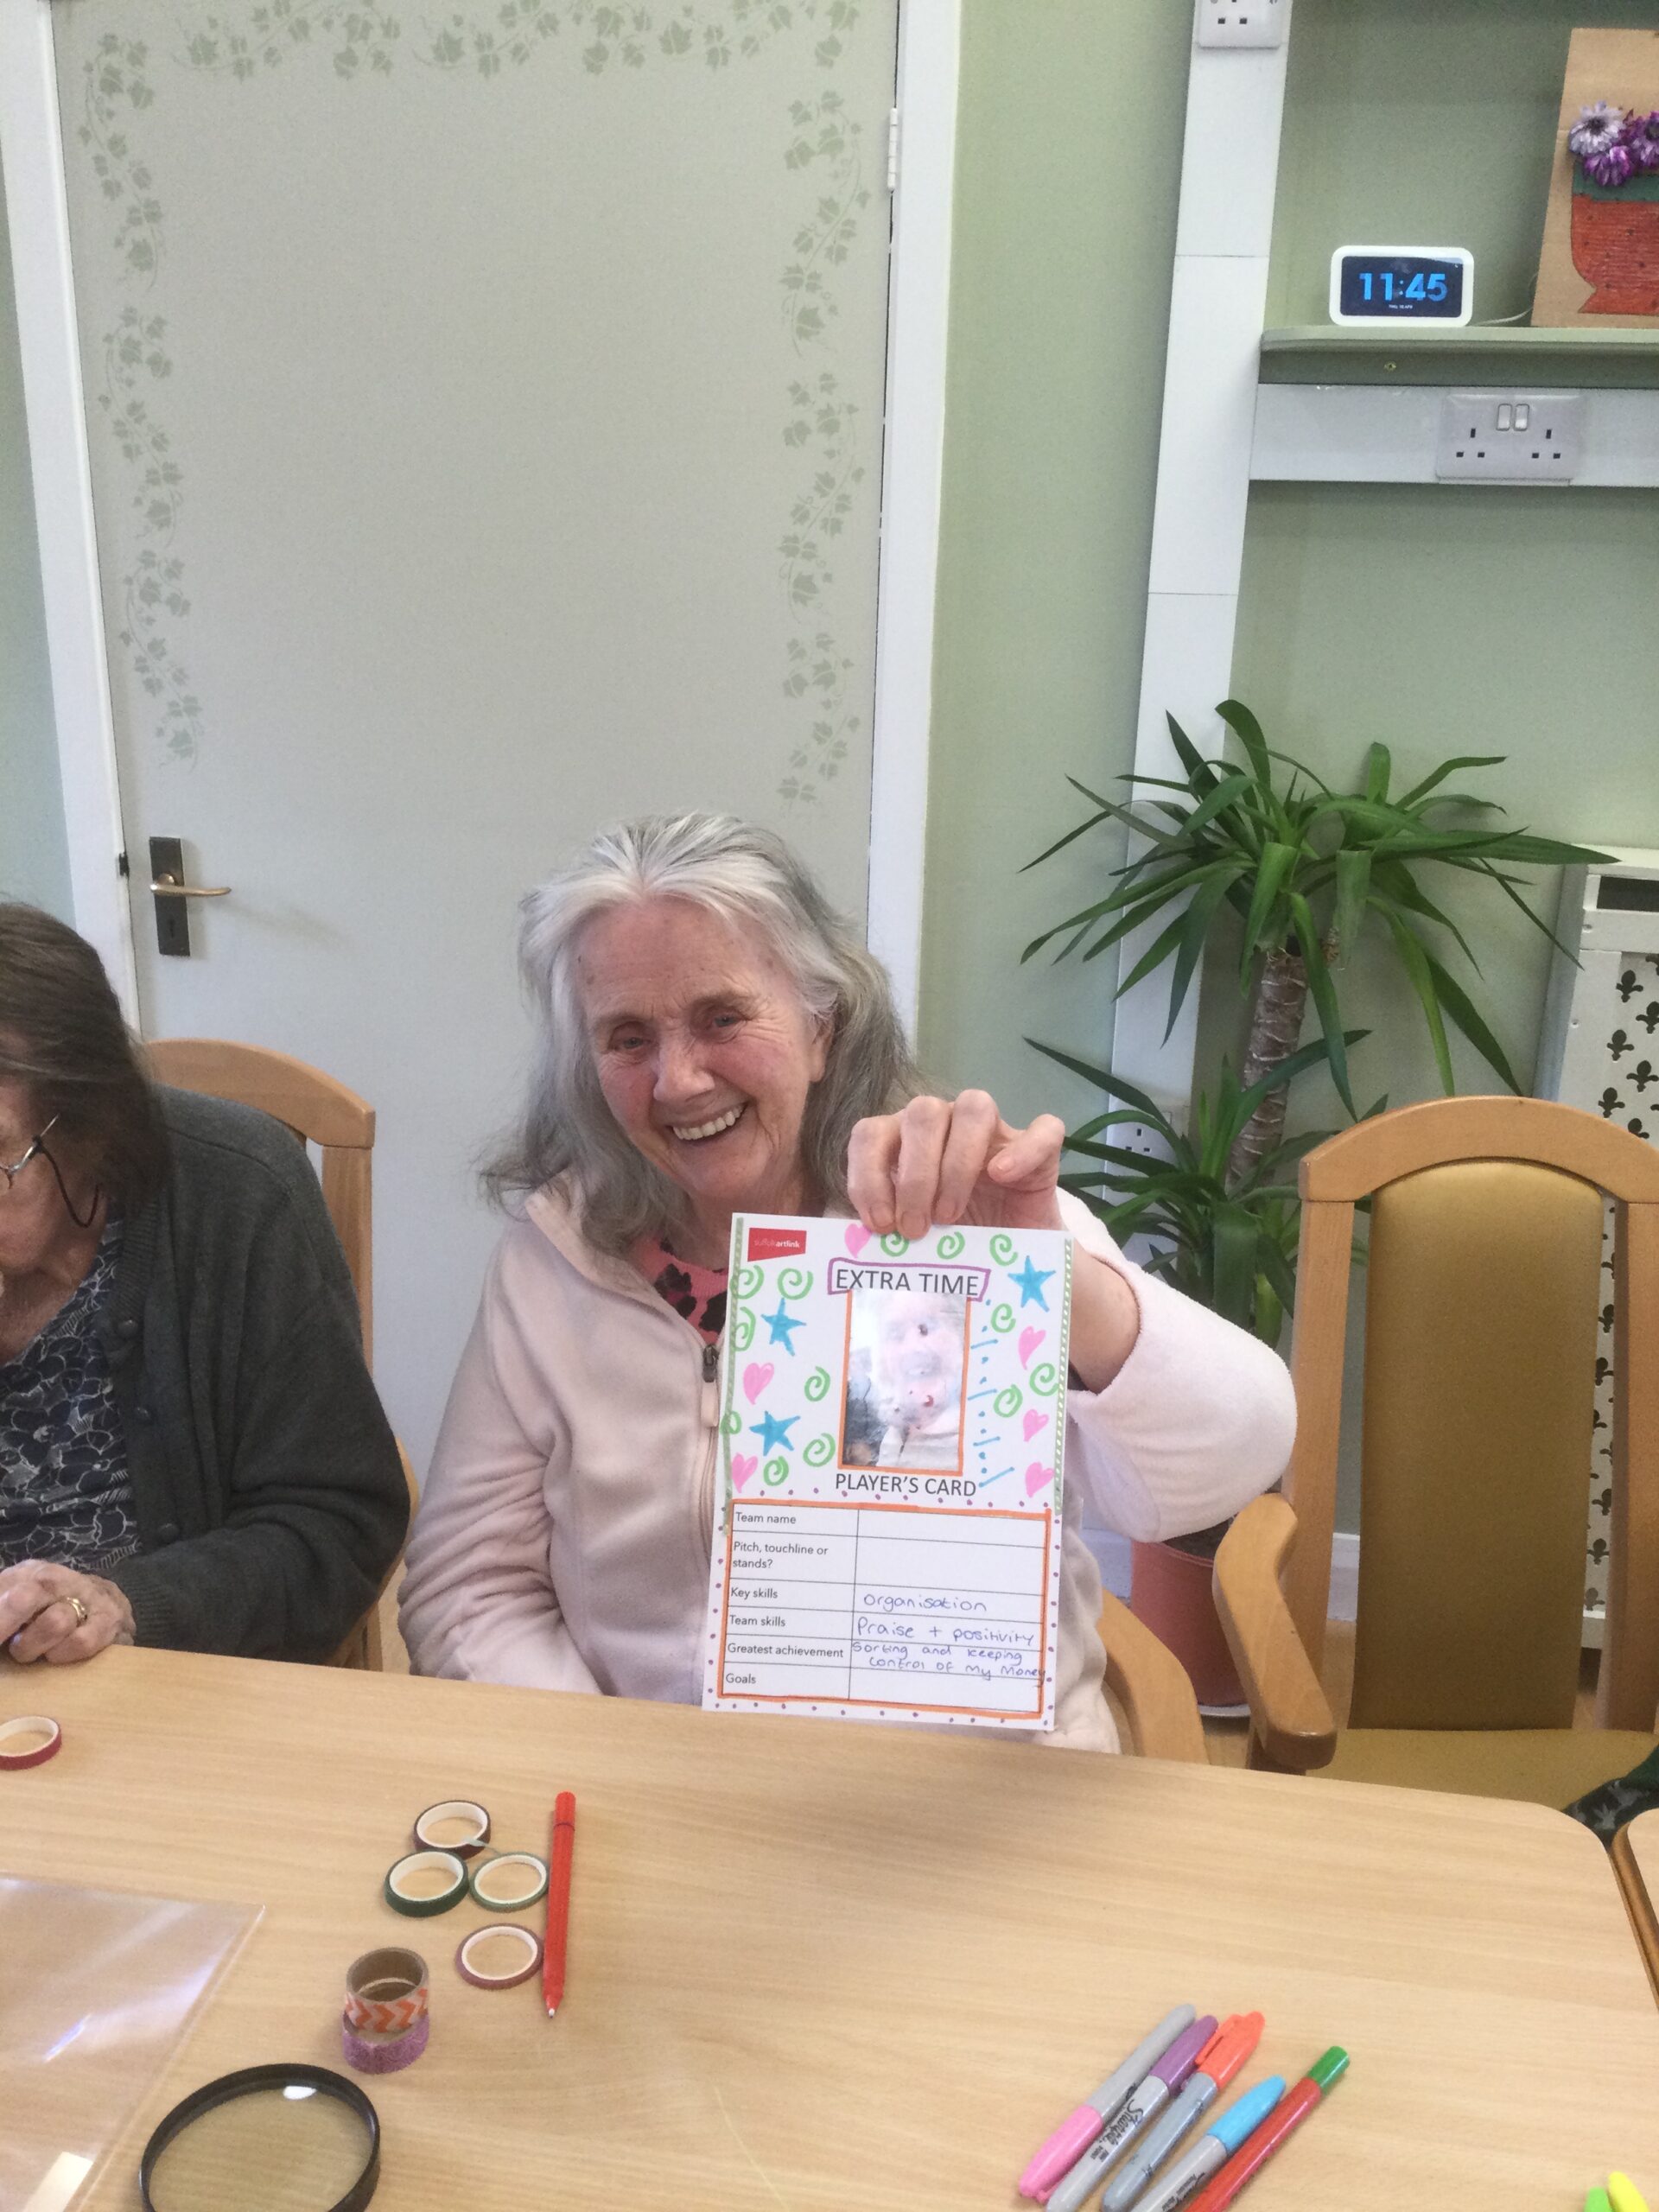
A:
(382, 2054)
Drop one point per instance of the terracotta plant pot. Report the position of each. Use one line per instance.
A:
(1170, 1590)
(1616, 245)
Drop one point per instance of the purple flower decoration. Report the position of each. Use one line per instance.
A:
(1613, 167)
(1597, 130)
(1640, 137)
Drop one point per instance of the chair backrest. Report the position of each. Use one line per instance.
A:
(1483, 1303)
(316, 1108)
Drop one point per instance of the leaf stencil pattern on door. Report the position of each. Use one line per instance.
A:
(121, 82)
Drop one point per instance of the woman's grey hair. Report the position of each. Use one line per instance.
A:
(752, 880)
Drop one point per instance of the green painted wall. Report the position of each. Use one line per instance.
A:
(1068, 147)
(34, 861)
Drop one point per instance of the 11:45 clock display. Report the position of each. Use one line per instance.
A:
(1402, 283)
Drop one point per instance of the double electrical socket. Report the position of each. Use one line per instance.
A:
(1510, 437)
(1242, 22)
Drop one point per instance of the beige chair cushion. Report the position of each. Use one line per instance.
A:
(1539, 1766)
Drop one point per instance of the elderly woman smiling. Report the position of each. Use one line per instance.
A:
(714, 1040)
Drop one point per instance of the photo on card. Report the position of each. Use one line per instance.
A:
(905, 1380)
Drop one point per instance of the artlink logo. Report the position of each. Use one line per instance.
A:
(776, 1243)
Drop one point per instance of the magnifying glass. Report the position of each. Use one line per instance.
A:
(270, 2139)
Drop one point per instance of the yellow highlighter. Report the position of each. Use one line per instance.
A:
(1624, 2196)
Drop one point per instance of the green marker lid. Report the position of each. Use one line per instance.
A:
(1597, 2200)
(1329, 2068)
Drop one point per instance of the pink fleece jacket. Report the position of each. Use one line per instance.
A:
(563, 1538)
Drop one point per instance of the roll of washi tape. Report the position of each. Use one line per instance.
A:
(426, 1882)
(368, 2053)
(499, 1958)
(386, 1990)
(508, 1880)
(456, 1824)
(29, 1739)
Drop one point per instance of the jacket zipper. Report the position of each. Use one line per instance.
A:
(710, 1410)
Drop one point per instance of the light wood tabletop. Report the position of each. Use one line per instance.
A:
(1635, 1856)
(819, 1964)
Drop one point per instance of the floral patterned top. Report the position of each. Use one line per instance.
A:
(66, 1494)
(698, 1295)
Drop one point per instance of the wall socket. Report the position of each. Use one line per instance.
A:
(1242, 22)
(1510, 437)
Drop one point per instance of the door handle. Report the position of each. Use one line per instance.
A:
(167, 886)
(171, 892)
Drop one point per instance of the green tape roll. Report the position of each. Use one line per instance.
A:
(423, 1882)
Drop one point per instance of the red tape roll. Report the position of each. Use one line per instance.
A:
(33, 1738)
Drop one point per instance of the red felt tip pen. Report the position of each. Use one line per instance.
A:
(560, 1851)
(1256, 2150)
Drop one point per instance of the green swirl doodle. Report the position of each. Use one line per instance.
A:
(895, 1246)
(1009, 1400)
(733, 1423)
(1002, 1249)
(818, 1383)
(820, 1451)
(1002, 1319)
(743, 1328)
(1045, 1379)
(746, 1282)
(794, 1282)
(951, 1244)
(775, 1471)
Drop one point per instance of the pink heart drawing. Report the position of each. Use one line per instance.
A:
(742, 1468)
(1036, 1475)
(1034, 1421)
(857, 1237)
(755, 1379)
(1029, 1340)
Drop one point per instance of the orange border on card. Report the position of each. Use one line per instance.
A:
(929, 1512)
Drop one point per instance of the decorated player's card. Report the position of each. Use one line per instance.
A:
(887, 1526)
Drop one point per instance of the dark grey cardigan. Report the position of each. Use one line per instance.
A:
(269, 1494)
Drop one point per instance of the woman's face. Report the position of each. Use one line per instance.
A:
(705, 1054)
(35, 1223)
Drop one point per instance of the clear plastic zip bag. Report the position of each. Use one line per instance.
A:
(98, 1989)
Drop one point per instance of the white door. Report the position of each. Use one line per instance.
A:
(485, 418)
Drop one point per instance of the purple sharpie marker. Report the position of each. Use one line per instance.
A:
(1146, 2102)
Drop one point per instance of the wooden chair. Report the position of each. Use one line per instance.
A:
(1483, 1303)
(322, 1111)
(1152, 1686)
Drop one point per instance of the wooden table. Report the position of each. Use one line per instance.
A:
(1636, 1857)
(823, 1965)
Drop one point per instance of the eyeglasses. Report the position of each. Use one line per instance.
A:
(17, 1167)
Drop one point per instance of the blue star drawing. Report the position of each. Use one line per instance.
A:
(774, 1435)
(782, 1323)
(1031, 1280)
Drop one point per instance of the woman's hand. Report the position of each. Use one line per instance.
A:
(940, 1161)
(59, 1615)
(943, 1162)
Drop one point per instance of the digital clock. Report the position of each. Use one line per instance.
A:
(1402, 283)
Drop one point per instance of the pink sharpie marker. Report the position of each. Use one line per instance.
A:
(1078, 2130)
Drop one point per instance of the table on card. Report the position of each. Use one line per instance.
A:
(843, 1602)
(816, 1965)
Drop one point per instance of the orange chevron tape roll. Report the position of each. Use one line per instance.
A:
(386, 1990)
